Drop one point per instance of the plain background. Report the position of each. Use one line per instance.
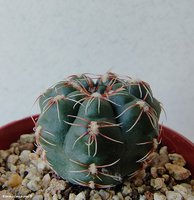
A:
(42, 42)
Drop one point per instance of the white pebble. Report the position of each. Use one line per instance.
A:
(12, 167)
(46, 180)
(190, 197)
(81, 196)
(180, 189)
(34, 184)
(38, 162)
(142, 197)
(188, 187)
(104, 194)
(115, 197)
(37, 197)
(24, 156)
(159, 196)
(55, 197)
(72, 196)
(171, 195)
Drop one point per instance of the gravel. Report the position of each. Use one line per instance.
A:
(24, 175)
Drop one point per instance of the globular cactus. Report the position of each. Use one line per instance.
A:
(96, 131)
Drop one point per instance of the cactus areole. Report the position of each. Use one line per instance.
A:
(96, 131)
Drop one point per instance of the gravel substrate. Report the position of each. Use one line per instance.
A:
(24, 175)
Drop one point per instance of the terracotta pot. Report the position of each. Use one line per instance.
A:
(173, 140)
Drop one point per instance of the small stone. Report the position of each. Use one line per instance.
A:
(163, 150)
(134, 194)
(14, 180)
(22, 190)
(24, 156)
(27, 146)
(12, 159)
(171, 195)
(11, 150)
(157, 183)
(2, 170)
(120, 196)
(72, 196)
(12, 167)
(115, 197)
(111, 193)
(190, 197)
(14, 144)
(33, 156)
(46, 180)
(164, 189)
(4, 154)
(142, 197)
(95, 196)
(56, 186)
(37, 197)
(188, 187)
(161, 170)
(166, 177)
(26, 138)
(2, 180)
(48, 196)
(32, 172)
(177, 159)
(55, 197)
(16, 150)
(22, 170)
(142, 173)
(126, 190)
(141, 189)
(127, 198)
(138, 181)
(104, 194)
(40, 164)
(163, 156)
(153, 171)
(81, 196)
(159, 196)
(192, 182)
(149, 195)
(156, 159)
(34, 184)
(178, 172)
(182, 190)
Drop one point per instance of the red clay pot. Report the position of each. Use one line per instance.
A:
(173, 140)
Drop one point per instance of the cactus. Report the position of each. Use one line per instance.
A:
(96, 131)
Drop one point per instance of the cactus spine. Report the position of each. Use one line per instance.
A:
(95, 133)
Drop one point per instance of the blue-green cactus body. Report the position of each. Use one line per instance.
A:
(96, 133)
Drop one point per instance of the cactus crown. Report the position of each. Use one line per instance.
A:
(95, 133)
